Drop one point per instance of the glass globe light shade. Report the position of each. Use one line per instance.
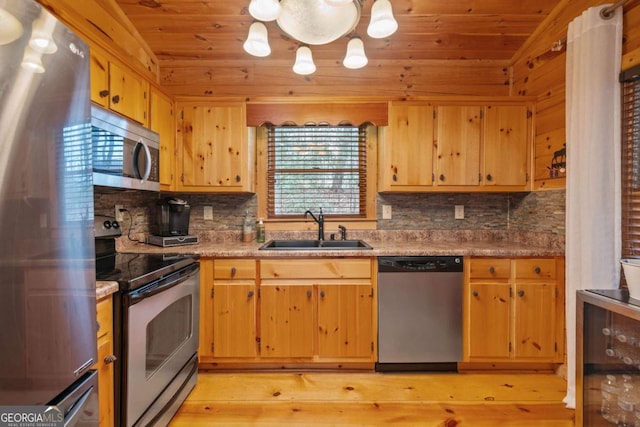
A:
(264, 10)
(382, 23)
(304, 62)
(355, 58)
(257, 43)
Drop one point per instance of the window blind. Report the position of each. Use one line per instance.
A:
(313, 167)
(631, 163)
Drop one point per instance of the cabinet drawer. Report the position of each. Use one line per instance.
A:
(234, 269)
(104, 316)
(316, 269)
(489, 268)
(538, 268)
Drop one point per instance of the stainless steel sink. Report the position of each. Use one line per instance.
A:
(301, 245)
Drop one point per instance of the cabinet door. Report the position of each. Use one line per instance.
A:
(99, 76)
(535, 321)
(128, 94)
(488, 320)
(458, 145)
(234, 322)
(286, 320)
(505, 145)
(105, 362)
(408, 152)
(213, 146)
(162, 121)
(345, 324)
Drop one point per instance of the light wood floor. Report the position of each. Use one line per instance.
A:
(368, 399)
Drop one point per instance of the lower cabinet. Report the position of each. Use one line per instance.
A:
(514, 310)
(104, 366)
(284, 312)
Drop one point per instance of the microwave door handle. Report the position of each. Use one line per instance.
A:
(147, 154)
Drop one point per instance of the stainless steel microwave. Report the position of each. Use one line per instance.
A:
(125, 154)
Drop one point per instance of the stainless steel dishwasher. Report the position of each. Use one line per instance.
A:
(419, 313)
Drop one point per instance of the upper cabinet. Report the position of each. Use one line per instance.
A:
(214, 153)
(116, 87)
(506, 145)
(457, 143)
(407, 151)
(447, 146)
(162, 121)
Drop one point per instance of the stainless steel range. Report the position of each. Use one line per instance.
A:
(156, 315)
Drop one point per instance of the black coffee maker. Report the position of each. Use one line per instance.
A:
(173, 217)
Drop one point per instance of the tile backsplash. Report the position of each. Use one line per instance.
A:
(537, 212)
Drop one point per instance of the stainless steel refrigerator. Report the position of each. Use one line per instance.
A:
(47, 261)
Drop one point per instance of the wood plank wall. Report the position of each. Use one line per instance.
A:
(540, 72)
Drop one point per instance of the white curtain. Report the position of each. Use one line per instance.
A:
(594, 49)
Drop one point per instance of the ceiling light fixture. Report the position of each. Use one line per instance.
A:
(318, 22)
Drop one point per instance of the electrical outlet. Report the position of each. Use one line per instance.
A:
(119, 215)
(386, 211)
(459, 212)
(208, 212)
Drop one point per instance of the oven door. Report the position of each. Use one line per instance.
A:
(161, 337)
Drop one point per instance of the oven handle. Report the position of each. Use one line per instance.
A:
(164, 284)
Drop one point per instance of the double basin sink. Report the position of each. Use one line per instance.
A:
(301, 245)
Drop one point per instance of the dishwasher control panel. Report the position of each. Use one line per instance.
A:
(420, 263)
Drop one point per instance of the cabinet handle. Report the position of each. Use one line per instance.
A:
(110, 359)
(492, 270)
(233, 272)
(441, 177)
(250, 294)
(238, 179)
(474, 293)
(308, 294)
(489, 177)
(104, 93)
(115, 99)
(321, 294)
(520, 293)
(537, 270)
(395, 177)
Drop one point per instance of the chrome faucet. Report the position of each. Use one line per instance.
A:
(319, 220)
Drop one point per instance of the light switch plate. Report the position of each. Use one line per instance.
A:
(386, 211)
(459, 212)
(208, 212)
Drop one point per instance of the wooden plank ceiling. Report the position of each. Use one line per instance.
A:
(442, 47)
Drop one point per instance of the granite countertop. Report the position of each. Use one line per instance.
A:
(394, 243)
(389, 244)
(105, 289)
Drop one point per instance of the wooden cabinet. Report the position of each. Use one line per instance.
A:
(162, 121)
(406, 161)
(286, 320)
(288, 312)
(457, 143)
(214, 150)
(320, 308)
(456, 146)
(104, 366)
(228, 320)
(513, 310)
(505, 159)
(116, 87)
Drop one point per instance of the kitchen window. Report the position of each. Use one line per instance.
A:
(631, 163)
(313, 167)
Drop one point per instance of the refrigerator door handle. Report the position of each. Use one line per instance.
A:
(72, 418)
